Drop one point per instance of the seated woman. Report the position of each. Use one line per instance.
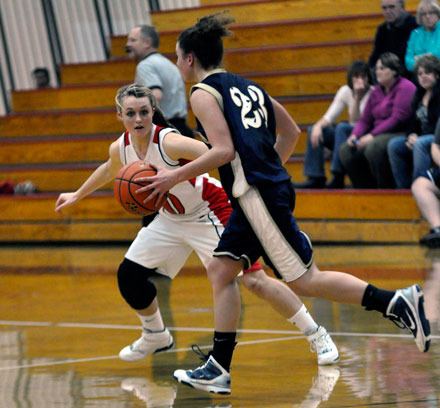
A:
(426, 191)
(325, 133)
(364, 155)
(425, 39)
(410, 155)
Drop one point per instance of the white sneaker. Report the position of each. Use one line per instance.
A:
(322, 344)
(149, 343)
(155, 395)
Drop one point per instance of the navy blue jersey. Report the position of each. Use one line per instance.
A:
(249, 114)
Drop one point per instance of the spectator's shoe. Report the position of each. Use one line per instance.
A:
(432, 239)
(155, 395)
(406, 311)
(25, 188)
(210, 377)
(322, 344)
(312, 182)
(336, 182)
(149, 343)
(423, 240)
(322, 386)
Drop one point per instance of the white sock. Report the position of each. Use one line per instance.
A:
(304, 321)
(152, 323)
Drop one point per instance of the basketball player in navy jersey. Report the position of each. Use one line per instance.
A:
(252, 136)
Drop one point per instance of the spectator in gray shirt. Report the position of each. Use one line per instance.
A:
(158, 73)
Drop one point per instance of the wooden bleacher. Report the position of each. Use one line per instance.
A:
(297, 49)
(358, 216)
(263, 11)
(275, 57)
(286, 32)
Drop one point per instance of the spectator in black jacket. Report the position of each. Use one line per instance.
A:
(393, 34)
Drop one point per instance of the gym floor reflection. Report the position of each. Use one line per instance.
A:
(60, 333)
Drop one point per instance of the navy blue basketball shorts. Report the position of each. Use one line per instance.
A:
(262, 224)
(433, 174)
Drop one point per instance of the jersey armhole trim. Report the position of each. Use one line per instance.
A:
(216, 94)
(162, 134)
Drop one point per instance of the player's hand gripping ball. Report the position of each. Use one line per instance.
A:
(125, 189)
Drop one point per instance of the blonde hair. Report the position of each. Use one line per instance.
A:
(136, 90)
(425, 5)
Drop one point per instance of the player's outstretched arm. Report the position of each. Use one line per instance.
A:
(105, 173)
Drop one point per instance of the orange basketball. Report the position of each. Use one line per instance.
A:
(125, 189)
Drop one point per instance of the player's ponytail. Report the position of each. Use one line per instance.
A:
(159, 119)
(204, 39)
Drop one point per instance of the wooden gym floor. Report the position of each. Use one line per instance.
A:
(61, 327)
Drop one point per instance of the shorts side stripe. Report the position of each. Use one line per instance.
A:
(247, 261)
(280, 252)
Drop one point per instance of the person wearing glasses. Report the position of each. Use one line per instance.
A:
(393, 34)
(425, 39)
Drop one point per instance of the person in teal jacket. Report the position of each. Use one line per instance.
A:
(425, 39)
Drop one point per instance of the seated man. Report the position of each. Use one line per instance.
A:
(393, 34)
(326, 133)
(41, 77)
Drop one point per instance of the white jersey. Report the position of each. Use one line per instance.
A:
(188, 200)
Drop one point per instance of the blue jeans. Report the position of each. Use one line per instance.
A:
(408, 164)
(333, 138)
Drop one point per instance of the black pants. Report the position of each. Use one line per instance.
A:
(369, 167)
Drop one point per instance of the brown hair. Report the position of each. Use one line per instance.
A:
(204, 39)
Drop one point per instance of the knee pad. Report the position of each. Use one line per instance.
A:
(135, 285)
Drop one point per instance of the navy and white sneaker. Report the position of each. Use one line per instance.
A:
(210, 377)
(406, 311)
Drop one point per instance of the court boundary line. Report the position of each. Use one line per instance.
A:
(295, 333)
(116, 357)
(291, 335)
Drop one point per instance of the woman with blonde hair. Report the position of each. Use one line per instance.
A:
(425, 39)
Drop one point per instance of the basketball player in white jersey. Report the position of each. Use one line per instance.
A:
(192, 218)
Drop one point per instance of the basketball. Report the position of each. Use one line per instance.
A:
(125, 189)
